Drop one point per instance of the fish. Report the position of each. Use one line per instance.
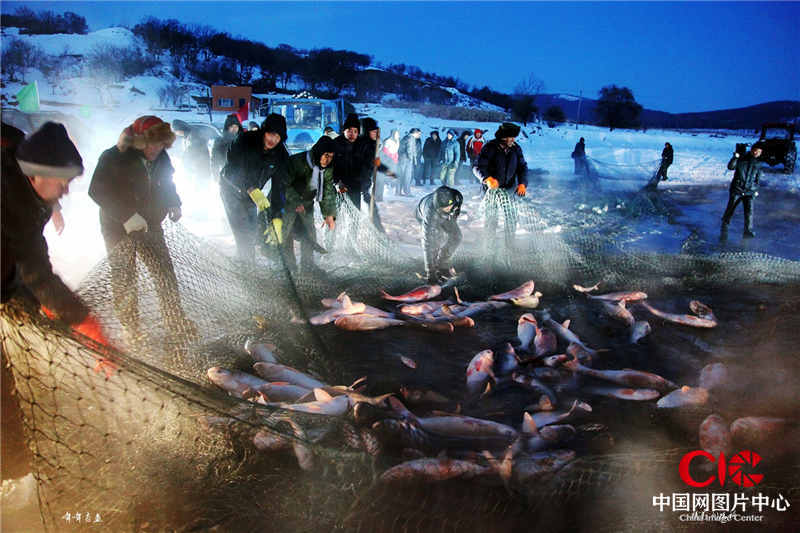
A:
(563, 331)
(526, 330)
(332, 314)
(558, 433)
(545, 373)
(532, 384)
(714, 376)
(270, 441)
(305, 457)
(618, 312)
(641, 395)
(481, 307)
(684, 320)
(627, 296)
(585, 290)
(463, 322)
(425, 397)
(715, 437)
(505, 360)
(627, 377)
(544, 343)
(424, 292)
(554, 361)
(238, 384)
(479, 370)
(526, 289)
(466, 426)
(530, 301)
(278, 372)
(538, 466)
(424, 308)
(335, 406)
(640, 330)
(259, 351)
(576, 350)
(372, 444)
(684, 397)
(366, 322)
(545, 418)
(544, 404)
(408, 361)
(432, 469)
(282, 391)
(756, 432)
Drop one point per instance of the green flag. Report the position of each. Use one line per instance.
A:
(28, 98)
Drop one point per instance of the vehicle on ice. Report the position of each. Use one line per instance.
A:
(306, 118)
(777, 144)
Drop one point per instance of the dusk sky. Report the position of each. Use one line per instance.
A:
(676, 57)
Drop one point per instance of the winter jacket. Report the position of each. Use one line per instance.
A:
(219, 153)
(462, 143)
(747, 171)
(250, 166)
(25, 259)
(299, 192)
(475, 145)
(579, 151)
(450, 153)
(122, 186)
(347, 164)
(409, 149)
(666, 156)
(432, 150)
(440, 232)
(365, 149)
(508, 167)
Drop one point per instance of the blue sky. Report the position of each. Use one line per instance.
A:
(676, 57)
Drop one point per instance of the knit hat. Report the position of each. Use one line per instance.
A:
(415, 130)
(179, 125)
(252, 125)
(451, 133)
(230, 120)
(507, 129)
(478, 131)
(145, 130)
(324, 145)
(368, 124)
(49, 153)
(275, 123)
(351, 122)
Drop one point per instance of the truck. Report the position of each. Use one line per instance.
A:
(777, 145)
(306, 118)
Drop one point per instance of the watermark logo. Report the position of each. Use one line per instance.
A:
(738, 469)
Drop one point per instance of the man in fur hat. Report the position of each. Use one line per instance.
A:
(501, 167)
(310, 179)
(133, 186)
(255, 158)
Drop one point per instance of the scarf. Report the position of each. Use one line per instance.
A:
(316, 177)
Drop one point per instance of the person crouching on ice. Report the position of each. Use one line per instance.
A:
(310, 179)
(438, 213)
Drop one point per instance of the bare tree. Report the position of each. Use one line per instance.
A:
(524, 98)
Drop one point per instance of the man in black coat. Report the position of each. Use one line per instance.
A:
(438, 213)
(196, 161)
(501, 167)
(666, 161)
(366, 150)
(255, 158)
(744, 187)
(132, 184)
(219, 153)
(347, 164)
(432, 153)
(579, 158)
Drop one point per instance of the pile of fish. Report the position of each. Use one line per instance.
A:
(417, 309)
(428, 428)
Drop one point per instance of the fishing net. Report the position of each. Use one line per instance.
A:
(156, 446)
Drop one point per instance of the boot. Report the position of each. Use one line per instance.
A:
(748, 234)
(723, 233)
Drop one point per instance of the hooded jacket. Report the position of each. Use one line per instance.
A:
(301, 191)
(450, 151)
(347, 165)
(219, 152)
(432, 149)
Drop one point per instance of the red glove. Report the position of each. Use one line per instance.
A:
(491, 182)
(90, 328)
(521, 190)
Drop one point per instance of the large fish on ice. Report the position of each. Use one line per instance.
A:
(685, 320)
(424, 292)
(526, 289)
(278, 372)
(628, 378)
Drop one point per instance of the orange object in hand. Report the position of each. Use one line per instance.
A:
(491, 182)
(521, 190)
(377, 161)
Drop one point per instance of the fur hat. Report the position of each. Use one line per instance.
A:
(275, 123)
(146, 130)
(324, 145)
(507, 129)
(351, 122)
(368, 124)
(49, 153)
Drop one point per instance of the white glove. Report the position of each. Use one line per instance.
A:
(135, 223)
(174, 214)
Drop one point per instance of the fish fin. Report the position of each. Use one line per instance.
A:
(359, 382)
(566, 323)
(458, 298)
(529, 425)
(346, 301)
(488, 390)
(622, 304)
(308, 397)
(322, 395)
(385, 295)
